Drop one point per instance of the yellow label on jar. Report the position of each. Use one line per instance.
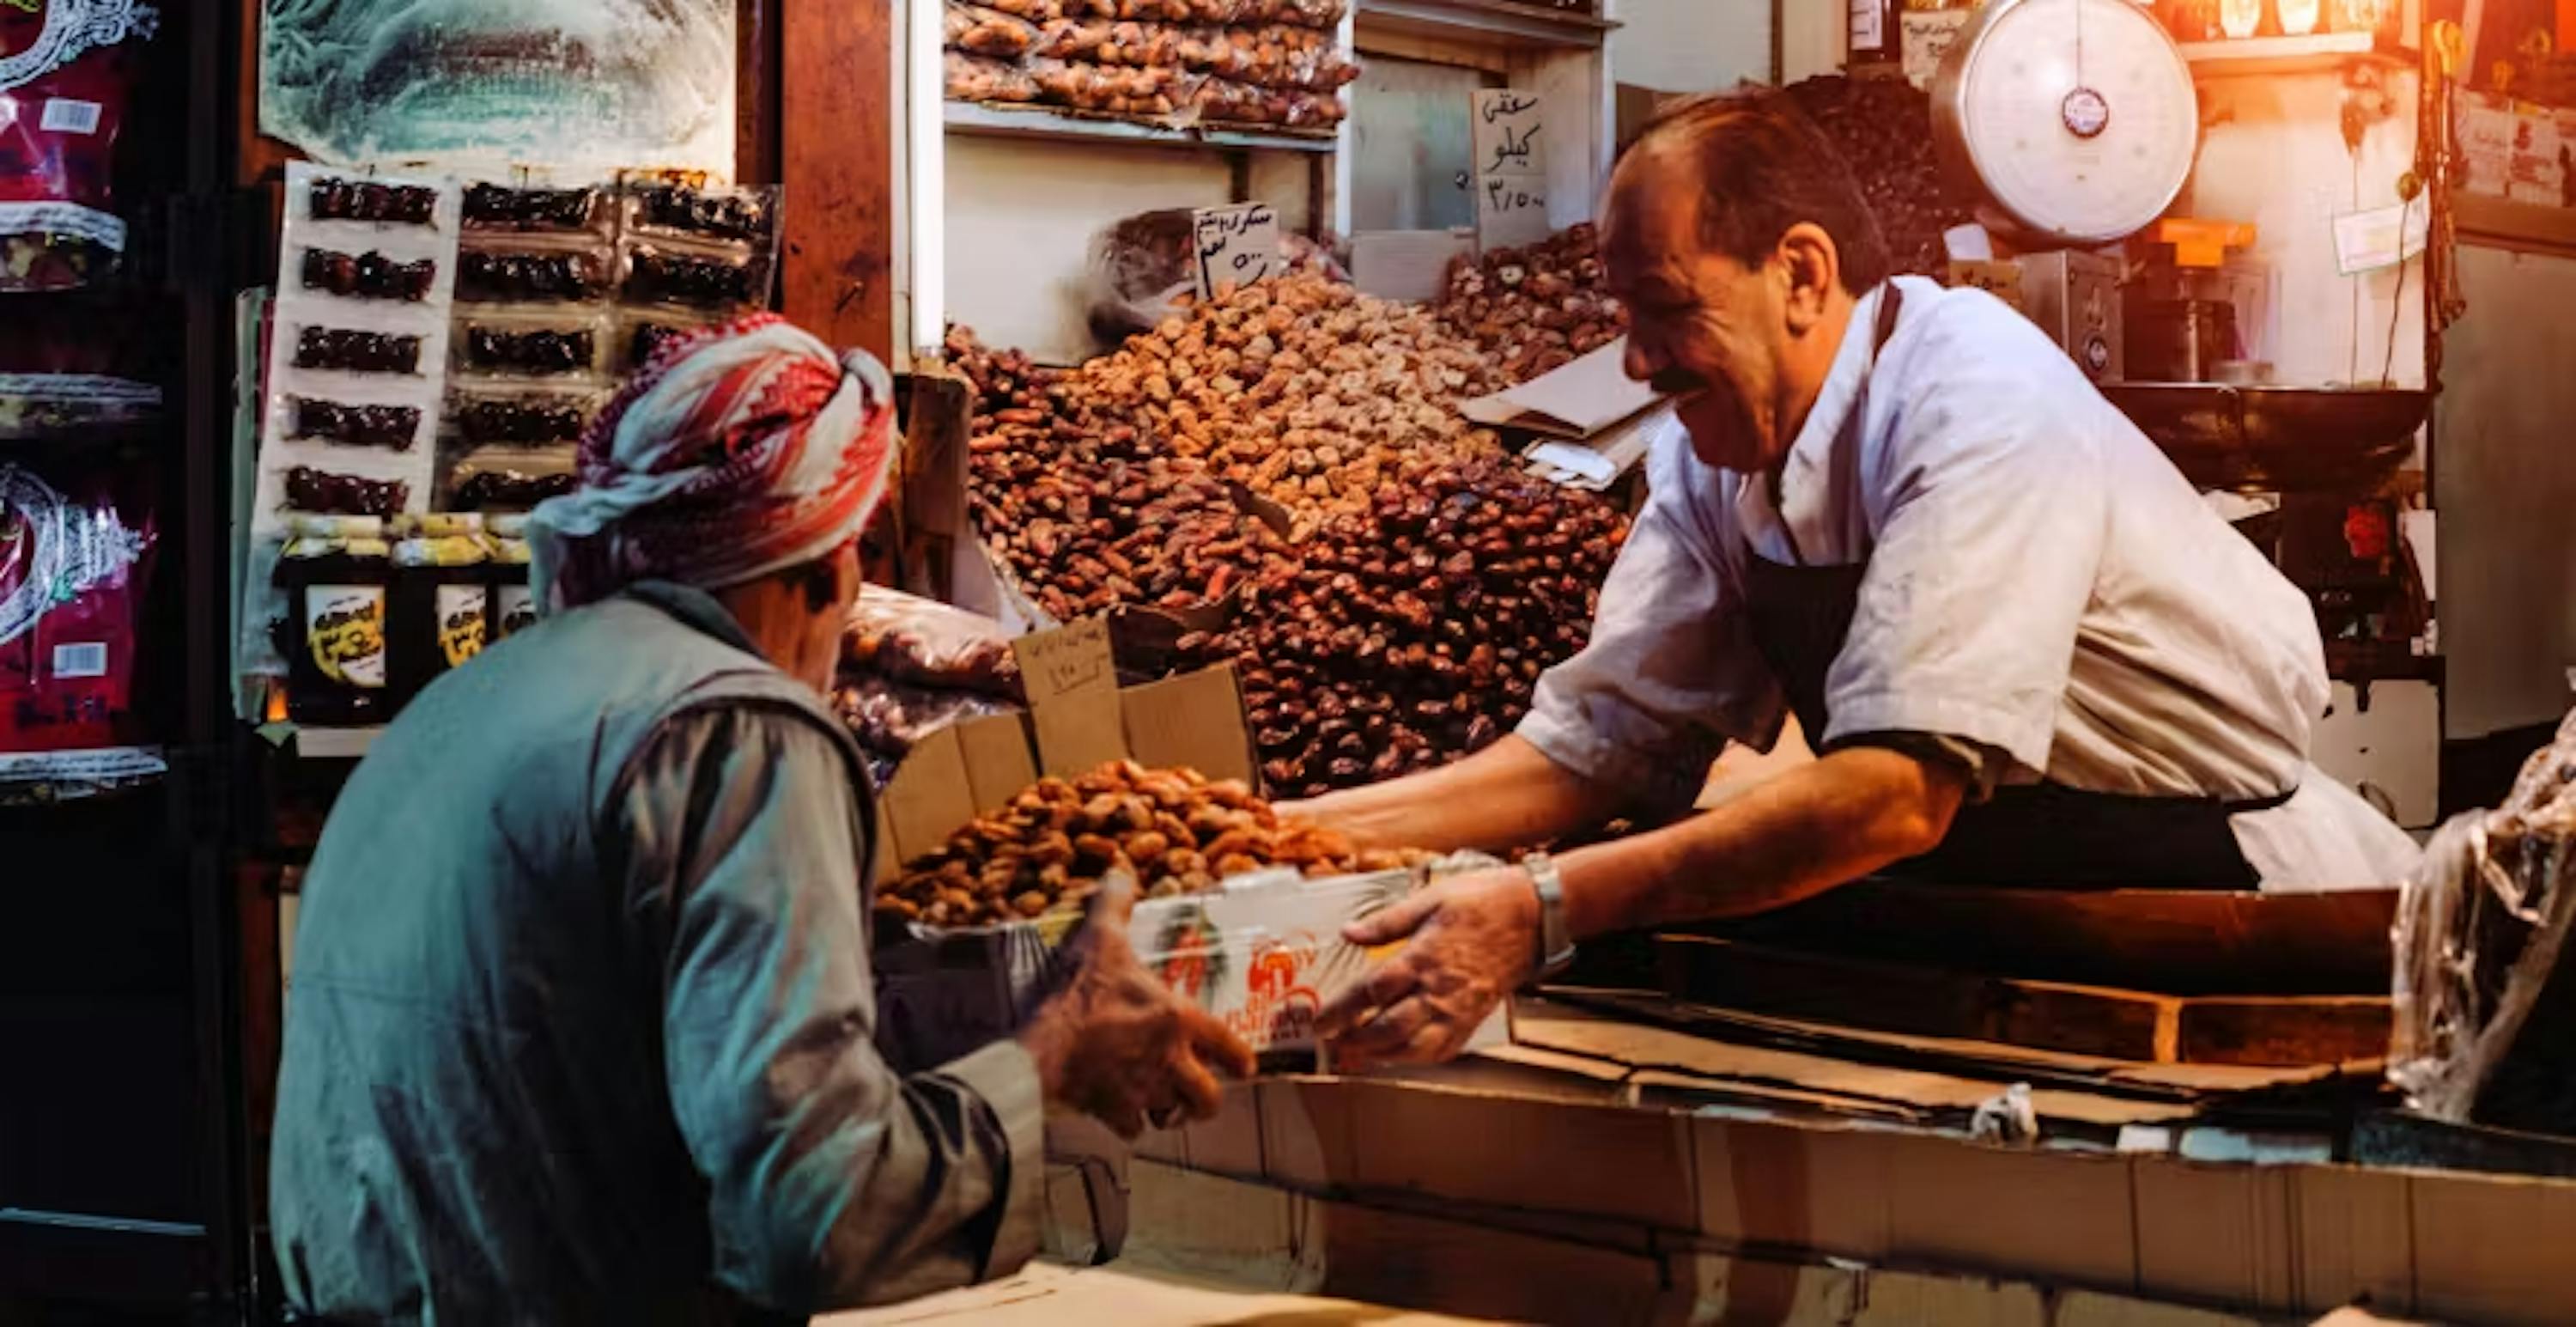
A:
(461, 622)
(344, 626)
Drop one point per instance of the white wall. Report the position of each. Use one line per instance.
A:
(1021, 214)
(1691, 45)
(2504, 472)
(2273, 154)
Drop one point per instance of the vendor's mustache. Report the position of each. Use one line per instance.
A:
(1677, 382)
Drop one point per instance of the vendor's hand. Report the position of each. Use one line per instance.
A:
(1475, 938)
(1115, 1043)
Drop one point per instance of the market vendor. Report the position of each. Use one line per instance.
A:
(580, 1025)
(2025, 650)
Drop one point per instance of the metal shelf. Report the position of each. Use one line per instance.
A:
(2506, 224)
(2316, 53)
(964, 117)
(1487, 21)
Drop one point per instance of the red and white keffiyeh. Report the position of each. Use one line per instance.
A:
(736, 452)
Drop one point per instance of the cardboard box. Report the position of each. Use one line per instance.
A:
(1264, 953)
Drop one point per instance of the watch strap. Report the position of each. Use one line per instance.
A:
(1555, 943)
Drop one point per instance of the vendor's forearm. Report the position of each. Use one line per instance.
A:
(1811, 829)
(1507, 795)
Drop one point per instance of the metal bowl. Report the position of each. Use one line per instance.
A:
(2276, 438)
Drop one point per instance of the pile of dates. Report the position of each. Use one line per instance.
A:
(1884, 128)
(1175, 830)
(1414, 633)
(1536, 309)
(1083, 509)
(1299, 389)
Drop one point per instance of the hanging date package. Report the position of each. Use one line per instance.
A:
(358, 348)
(67, 68)
(687, 246)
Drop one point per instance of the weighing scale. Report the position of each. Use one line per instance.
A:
(2076, 119)
(2077, 122)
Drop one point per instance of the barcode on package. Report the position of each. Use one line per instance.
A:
(66, 116)
(87, 660)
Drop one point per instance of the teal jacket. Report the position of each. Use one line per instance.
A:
(580, 1015)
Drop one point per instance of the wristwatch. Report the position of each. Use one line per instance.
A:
(1555, 946)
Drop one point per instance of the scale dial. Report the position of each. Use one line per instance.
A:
(2076, 117)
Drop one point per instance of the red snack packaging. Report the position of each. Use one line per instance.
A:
(72, 564)
(67, 70)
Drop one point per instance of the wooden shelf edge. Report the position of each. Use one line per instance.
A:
(2525, 227)
(1500, 21)
(966, 117)
(2314, 53)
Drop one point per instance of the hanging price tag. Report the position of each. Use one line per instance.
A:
(1238, 245)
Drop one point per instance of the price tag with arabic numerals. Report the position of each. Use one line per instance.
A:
(1237, 245)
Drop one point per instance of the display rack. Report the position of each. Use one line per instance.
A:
(2314, 53)
(1501, 22)
(1040, 122)
(121, 1168)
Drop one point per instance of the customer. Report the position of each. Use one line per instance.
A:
(580, 1027)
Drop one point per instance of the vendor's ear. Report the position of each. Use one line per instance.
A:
(1812, 270)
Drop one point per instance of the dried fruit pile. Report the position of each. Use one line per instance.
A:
(1535, 309)
(1884, 128)
(1176, 830)
(1107, 484)
(1426, 583)
(1413, 634)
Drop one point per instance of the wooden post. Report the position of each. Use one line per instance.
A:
(835, 127)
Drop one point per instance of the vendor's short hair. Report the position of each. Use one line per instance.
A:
(1764, 167)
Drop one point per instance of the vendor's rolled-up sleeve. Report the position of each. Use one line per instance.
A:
(1671, 671)
(1990, 519)
(832, 1180)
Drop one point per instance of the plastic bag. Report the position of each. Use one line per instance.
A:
(888, 717)
(1227, 101)
(59, 120)
(924, 643)
(1275, 56)
(2484, 998)
(979, 30)
(1142, 267)
(41, 405)
(1145, 90)
(974, 78)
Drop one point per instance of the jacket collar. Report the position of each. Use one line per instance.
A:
(694, 608)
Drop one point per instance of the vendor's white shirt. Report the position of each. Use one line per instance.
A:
(2042, 582)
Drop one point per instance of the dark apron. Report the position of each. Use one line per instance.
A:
(2042, 835)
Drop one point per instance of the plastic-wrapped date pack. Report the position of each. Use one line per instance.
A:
(357, 366)
(1278, 55)
(694, 249)
(1265, 63)
(359, 342)
(1225, 101)
(535, 337)
(63, 89)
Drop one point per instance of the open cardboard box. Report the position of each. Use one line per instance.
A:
(1263, 953)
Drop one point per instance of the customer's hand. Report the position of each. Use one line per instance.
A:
(1117, 1044)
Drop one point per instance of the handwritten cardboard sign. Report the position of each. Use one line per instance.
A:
(1072, 683)
(1237, 244)
(1511, 211)
(1507, 133)
(1510, 143)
